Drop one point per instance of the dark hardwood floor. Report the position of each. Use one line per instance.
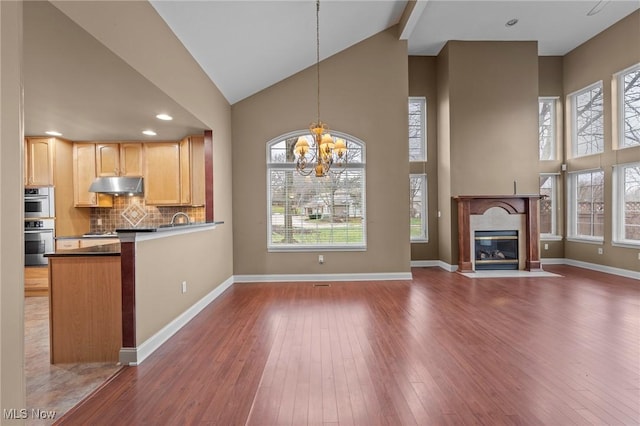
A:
(439, 349)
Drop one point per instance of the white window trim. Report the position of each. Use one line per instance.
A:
(574, 112)
(572, 225)
(352, 166)
(424, 212)
(423, 125)
(618, 211)
(620, 106)
(554, 236)
(554, 126)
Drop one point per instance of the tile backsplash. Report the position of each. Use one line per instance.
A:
(132, 212)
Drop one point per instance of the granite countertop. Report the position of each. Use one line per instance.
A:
(103, 250)
(168, 227)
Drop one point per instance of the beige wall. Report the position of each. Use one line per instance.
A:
(159, 297)
(487, 109)
(364, 94)
(550, 85)
(598, 59)
(12, 386)
(422, 82)
(144, 41)
(447, 227)
(154, 43)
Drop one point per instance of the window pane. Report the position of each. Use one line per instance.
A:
(631, 108)
(417, 129)
(418, 207)
(547, 204)
(590, 204)
(632, 203)
(588, 135)
(309, 212)
(546, 129)
(316, 211)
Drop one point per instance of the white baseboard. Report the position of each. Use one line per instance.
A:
(387, 276)
(432, 264)
(135, 356)
(593, 266)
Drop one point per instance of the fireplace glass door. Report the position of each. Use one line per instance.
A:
(496, 250)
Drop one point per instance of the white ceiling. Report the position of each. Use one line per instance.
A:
(248, 45)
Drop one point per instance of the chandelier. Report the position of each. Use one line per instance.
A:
(324, 150)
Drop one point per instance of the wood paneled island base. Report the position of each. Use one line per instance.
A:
(85, 309)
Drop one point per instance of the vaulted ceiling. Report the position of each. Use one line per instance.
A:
(246, 46)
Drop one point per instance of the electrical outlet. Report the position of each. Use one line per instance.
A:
(99, 221)
(600, 250)
(546, 246)
(320, 259)
(639, 255)
(184, 287)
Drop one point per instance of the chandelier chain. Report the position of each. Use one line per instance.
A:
(318, 54)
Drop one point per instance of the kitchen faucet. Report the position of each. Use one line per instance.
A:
(180, 214)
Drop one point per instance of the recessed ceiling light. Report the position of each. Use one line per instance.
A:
(511, 22)
(53, 133)
(149, 133)
(165, 117)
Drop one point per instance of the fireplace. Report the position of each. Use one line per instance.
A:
(514, 212)
(496, 250)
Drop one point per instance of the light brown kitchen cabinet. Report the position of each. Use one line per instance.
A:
(84, 173)
(162, 173)
(174, 172)
(119, 159)
(192, 171)
(39, 157)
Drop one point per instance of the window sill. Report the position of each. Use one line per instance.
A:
(598, 241)
(626, 244)
(550, 237)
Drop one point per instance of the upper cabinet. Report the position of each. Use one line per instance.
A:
(84, 173)
(39, 158)
(174, 172)
(119, 159)
(162, 173)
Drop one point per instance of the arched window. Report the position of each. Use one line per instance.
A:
(315, 213)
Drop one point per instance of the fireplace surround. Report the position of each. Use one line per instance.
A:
(526, 206)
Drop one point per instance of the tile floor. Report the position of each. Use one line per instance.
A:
(54, 388)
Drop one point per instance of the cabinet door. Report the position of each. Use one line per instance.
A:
(185, 172)
(131, 159)
(108, 159)
(197, 171)
(162, 173)
(84, 173)
(39, 161)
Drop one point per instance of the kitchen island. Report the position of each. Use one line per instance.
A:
(85, 304)
(104, 299)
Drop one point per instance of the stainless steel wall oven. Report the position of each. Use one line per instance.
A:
(39, 224)
(38, 240)
(39, 202)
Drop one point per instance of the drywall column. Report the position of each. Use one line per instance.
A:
(488, 125)
(12, 388)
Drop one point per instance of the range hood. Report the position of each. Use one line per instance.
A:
(117, 185)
